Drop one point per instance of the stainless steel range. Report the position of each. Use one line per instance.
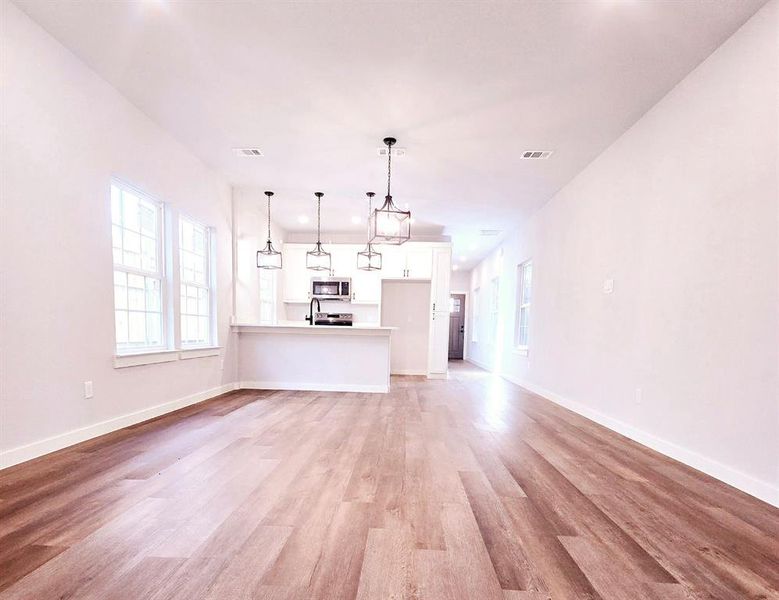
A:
(323, 318)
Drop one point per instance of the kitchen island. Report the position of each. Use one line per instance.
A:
(328, 358)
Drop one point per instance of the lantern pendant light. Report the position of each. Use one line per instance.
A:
(369, 259)
(317, 259)
(268, 257)
(390, 224)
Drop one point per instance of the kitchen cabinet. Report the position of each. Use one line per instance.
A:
(438, 353)
(409, 261)
(441, 271)
(343, 260)
(393, 262)
(419, 262)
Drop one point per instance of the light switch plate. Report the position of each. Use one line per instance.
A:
(608, 286)
(88, 392)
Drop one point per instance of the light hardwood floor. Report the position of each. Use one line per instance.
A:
(468, 488)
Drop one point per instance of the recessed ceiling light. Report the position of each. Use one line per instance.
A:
(356, 220)
(303, 219)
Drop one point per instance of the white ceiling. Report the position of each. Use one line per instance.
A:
(464, 86)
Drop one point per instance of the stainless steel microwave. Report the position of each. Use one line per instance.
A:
(331, 288)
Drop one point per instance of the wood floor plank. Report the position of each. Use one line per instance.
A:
(441, 489)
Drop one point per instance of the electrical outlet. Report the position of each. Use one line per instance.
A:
(608, 286)
(88, 392)
(639, 395)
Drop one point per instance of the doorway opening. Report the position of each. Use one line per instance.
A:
(456, 326)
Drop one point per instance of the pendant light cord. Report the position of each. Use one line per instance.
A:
(318, 220)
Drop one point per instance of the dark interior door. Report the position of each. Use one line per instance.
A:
(457, 326)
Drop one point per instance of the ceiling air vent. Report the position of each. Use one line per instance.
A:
(536, 154)
(489, 232)
(248, 152)
(395, 151)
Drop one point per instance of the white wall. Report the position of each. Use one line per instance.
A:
(65, 132)
(460, 281)
(681, 212)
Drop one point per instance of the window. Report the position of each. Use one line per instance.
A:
(136, 232)
(196, 301)
(476, 309)
(267, 295)
(524, 289)
(494, 308)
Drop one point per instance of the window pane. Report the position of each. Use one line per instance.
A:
(137, 328)
(121, 326)
(153, 295)
(148, 220)
(120, 291)
(154, 329)
(130, 217)
(148, 254)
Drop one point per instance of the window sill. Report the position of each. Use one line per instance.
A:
(144, 358)
(199, 352)
(137, 359)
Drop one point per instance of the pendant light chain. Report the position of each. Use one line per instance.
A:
(389, 167)
(268, 217)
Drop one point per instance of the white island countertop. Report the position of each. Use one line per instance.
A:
(304, 328)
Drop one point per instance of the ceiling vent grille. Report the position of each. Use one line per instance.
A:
(489, 232)
(395, 151)
(536, 154)
(248, 152)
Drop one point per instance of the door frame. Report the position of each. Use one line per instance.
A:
(466, 321)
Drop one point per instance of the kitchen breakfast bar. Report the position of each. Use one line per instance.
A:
(298, 356)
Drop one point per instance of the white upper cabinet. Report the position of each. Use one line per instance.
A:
(393, 261)
(343, 259)
(419, 262)
(409, 261)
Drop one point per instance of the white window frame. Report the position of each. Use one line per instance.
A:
(268, 299)
(476, 319)
(494, 308)
(159, 274)
(208, 286)
(524, 304)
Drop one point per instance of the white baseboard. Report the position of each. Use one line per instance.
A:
(312, 387)
(409, 372)
(438, 375)
(482, 365)
(20, 454)
(746, 483)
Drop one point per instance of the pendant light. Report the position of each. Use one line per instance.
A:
(268, 257)
(369, 259)
(317, 259)
(390, 224)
